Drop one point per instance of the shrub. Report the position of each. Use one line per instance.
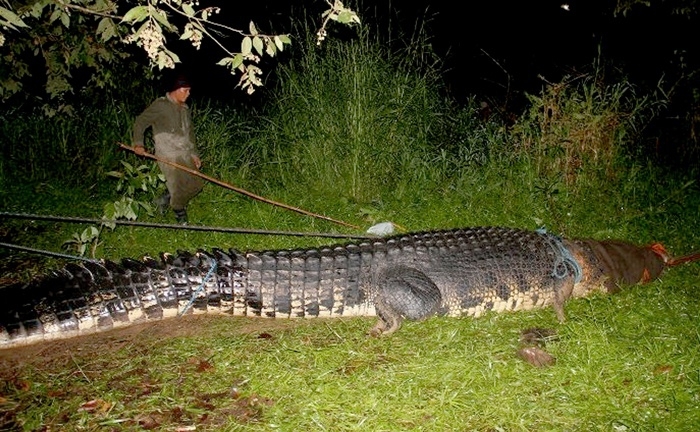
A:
(582, 125)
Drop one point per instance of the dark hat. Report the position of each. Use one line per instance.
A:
(180, 81)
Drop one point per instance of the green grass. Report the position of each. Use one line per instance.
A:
(625, 362)
(363, 134)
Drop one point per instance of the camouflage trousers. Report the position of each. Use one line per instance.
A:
(181, 185)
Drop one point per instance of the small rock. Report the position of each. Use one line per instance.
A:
(536, 356)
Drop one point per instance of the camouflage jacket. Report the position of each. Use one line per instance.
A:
(172, 128)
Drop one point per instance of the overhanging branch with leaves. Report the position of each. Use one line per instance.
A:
(24, 26)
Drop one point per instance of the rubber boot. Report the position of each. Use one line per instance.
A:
(181, 216)
(162, 203)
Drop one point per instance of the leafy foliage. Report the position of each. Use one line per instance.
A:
(680, 7)
(81, 43)
(134, 182)
(583, 125)
(79, 242)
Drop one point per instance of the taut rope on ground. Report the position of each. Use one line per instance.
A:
(71, 219)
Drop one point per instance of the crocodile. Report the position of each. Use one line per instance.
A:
(458, 272)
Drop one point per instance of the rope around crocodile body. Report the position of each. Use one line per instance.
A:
(45, 252)
(70, 219)
(564, 258)
(211, 271)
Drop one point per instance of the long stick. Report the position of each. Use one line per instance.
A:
(239, 190)
(94, 221)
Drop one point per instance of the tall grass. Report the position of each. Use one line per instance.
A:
(75, 149)
(583, 125)
(225, 139)
(352, 119)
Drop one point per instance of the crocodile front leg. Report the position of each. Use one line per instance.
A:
(403, 293)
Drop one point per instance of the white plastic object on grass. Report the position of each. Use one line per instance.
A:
(381, 229)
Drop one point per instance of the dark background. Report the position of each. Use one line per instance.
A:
(497, 52)
(487, 46)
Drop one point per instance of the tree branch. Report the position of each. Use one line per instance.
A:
(85, 10)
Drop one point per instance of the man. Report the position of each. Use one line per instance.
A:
(170, 119)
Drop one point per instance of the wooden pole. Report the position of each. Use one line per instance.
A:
(239, 190)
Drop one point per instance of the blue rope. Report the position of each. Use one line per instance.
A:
(564, 259)
(211, 271)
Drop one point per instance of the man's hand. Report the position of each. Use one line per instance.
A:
(197, 161)
(139, 150)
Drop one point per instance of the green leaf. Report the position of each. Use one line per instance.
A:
(37, 9)
(131, 213)
(162, 18)
(89, 234)
(226, 61)
(106, 29)
(285, 39)
(56, 14)
(246, 46)
(279, 43)
(237, 61)
(166, 58)
(12, 20)
(346, 16)
(258, 45)
(253, 30)
(172, 55)
(65, 20)
(186, 34)
(137, 14)
(109, 211)
(188, 10)
(270, 48)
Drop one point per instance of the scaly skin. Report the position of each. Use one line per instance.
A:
(464, 272)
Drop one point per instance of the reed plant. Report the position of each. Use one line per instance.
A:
(352, 119)
(584, 126)
(74, 148)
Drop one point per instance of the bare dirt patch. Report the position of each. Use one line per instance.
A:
(89, 369)
(44, 353)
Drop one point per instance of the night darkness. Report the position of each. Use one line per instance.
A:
(498, 52)
(488, 46)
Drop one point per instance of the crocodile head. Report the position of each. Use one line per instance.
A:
(611, 264)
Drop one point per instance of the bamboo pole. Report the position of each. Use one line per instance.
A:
(239, 190)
